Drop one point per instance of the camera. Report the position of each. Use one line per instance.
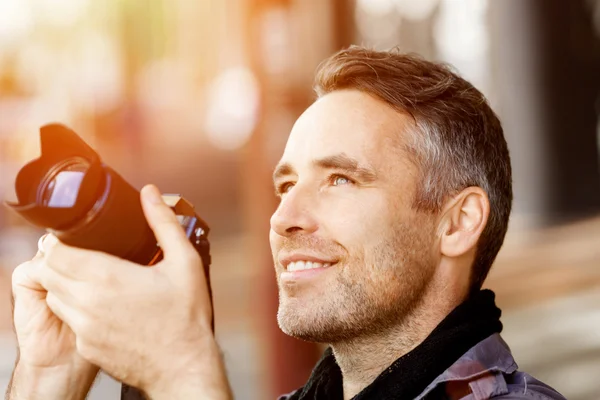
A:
(72, 194)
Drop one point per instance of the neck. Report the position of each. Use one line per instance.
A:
(363, 359)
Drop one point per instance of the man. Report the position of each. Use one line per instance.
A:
(395, 190)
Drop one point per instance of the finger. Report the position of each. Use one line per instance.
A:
(80, 264)
(23, 276)
(164, 224)
(63, 311)
(27, 291)
(77, 275)
(38, 255)
(26, 276)
(69, 291)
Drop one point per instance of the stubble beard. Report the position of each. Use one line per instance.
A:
(375, 293)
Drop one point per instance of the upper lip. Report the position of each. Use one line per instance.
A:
(292, 257)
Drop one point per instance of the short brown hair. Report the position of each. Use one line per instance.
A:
(458, 142)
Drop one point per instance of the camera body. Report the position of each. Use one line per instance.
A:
(195, 228)
(196, 231)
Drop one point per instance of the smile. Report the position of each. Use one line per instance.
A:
(304, 271)
(304, 265)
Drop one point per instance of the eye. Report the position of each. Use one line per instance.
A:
(283, 188)
(337, 180)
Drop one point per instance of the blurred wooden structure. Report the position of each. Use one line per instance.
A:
(285, 41)
(540, 265)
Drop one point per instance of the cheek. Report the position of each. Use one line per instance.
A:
(357, 222)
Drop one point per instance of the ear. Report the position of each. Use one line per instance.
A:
(464, 218)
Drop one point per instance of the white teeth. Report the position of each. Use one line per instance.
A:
(302, 265)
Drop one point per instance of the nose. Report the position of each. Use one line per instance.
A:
(295, 213)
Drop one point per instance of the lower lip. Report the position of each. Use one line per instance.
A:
(292, 276)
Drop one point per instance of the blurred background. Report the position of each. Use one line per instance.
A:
(198, 97)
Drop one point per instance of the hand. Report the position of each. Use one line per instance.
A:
(47, 352)
(149, 327)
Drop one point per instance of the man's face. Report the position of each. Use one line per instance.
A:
(351, 255)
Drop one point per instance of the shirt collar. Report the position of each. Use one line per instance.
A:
(490, 355)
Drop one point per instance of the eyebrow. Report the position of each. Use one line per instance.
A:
(340, 162)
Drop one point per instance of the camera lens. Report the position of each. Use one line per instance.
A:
(60, 187)
(85, 203)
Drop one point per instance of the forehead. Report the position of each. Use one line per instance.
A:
(349, 122)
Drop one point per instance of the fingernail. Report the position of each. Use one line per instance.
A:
(152, 194)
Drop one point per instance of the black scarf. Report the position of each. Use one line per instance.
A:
(468, 324)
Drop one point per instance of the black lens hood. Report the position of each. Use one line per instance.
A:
(58, 143)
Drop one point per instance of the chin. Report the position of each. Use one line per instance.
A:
(310, 323)
(301, 331)
(297, 320)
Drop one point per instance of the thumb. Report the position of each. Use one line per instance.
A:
(163, 222)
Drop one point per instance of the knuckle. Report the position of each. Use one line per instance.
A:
(83, 327)
(18, 273)
(84, 349)
(56, 258)
(23, 267)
